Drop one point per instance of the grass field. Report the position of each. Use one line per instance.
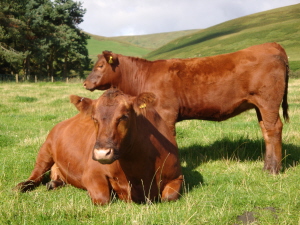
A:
(222, 164)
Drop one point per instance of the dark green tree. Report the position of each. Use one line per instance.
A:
(12, 29)
(44, 37)
(73, 52)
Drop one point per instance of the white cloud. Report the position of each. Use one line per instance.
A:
(134, 17)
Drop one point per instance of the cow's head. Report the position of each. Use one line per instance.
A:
(114, 115)
(103, 73)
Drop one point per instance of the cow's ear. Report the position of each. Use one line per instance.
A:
(82, 104)
(144, 101)
(111, 57)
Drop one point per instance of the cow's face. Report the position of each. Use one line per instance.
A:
(111, 114)
(114, 115)
(105, 71)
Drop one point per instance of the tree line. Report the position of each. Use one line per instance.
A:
(42, 38)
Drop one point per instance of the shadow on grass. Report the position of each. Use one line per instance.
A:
(237, 150)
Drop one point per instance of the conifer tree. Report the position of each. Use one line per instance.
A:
(42, 37)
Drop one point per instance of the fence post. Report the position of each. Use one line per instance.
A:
(17, 78)
(35, 79)
(52, 79)
(67, 80)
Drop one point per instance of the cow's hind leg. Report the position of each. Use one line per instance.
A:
(43, 164)
(271, 127)
(56, 179)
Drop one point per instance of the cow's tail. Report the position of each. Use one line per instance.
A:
(285, 105)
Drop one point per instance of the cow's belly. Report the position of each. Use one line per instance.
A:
(215, 111)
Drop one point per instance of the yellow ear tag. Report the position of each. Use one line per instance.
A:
(110, 61)
(142, 106)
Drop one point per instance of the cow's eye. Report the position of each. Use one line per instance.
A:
(123, 118)
(100, 66)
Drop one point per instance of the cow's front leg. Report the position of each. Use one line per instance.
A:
(98, 188)
(43, 164)
(100, 196)
(121, 187)
(172, 189)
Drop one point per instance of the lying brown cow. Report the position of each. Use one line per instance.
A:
(209, 88)
(128, 135)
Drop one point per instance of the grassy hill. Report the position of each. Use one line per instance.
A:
(97, 44)
(138, 45)
(153, 41)
(281, 25)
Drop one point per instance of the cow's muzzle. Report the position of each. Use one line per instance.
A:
(104, 155)
(87, 85)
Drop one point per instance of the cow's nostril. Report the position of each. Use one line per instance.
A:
(104, 156)
(109, 152)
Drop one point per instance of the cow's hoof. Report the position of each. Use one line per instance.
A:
(25, 186)
(54, 184)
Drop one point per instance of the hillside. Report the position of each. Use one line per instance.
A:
(153, 41)
(138, 45)
(97, 44)
(281, 25)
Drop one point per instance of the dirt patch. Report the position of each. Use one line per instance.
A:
(251, 217)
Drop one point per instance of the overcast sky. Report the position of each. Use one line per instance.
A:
(135, 17)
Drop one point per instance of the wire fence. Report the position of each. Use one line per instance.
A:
(19, 79)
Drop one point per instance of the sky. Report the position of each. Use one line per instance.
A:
(137, 17)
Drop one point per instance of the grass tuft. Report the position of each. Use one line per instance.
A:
(25, 99)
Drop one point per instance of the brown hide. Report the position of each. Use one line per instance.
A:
(130, 130)
(209, 88)
(68, 149)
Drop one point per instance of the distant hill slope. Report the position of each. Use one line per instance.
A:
(153, 41)
(138, 45)
(97, 44)
(280, 25)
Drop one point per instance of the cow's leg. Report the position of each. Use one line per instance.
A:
(172, 190)
(56, 179)
(98, 188)
(121, 188)
(271, 127)
(100, 195)
(43, 164)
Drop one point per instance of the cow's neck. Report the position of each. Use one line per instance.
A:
(134, 75)
(145, 144)
(137, 147)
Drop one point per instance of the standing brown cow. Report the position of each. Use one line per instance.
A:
(124, 132)
(209, 88)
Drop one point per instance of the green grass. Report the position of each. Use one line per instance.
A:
(222, 164)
